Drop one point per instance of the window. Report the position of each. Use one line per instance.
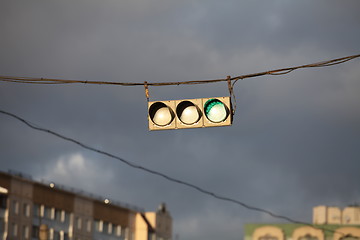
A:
(78, 223)
(66, 236)
(118, 231)
(36, 210)
(47, 212)
(62, 216)
(26, 210)
(58, 215)
(65, 217)
(88, 225)
(51, 233)
(52, 213)
(110, 228)
(2, 227)
(105, 227)
(56, 235)
(151, 236)
(15, 207)
(98, 225)
(26, 232)
(42, 211)
(35, 232)
(14, 230)
(127, 234)
(3, 199)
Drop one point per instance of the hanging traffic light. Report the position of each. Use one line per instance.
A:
(190, 113)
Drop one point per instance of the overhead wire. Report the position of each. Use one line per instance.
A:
(163, 175)
(281, 71)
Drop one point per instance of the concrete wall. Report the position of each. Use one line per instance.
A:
(83, 212)
(320, 215)
(334, 215)
(351, 215)
(141, 228)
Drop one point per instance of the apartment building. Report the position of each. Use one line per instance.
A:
(334, 215)
(329, 223)
(32, 210)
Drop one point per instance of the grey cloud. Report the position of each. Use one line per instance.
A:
(293, 143)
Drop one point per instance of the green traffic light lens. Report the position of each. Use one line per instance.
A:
(215, 110)
(160, 114)
(188, 112)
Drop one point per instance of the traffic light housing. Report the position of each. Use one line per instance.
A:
(190, 113)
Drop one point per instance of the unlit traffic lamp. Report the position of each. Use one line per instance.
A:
(190, 113)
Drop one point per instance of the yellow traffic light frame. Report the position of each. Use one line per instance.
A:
(203, 121)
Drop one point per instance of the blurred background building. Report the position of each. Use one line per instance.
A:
(32, 210)
(329, 223)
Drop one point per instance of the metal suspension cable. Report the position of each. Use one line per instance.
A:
(280, 71)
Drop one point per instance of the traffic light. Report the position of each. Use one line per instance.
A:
(190, 113)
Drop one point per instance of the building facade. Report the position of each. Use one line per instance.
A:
(329, 223)
(32, 210)
(333, 215)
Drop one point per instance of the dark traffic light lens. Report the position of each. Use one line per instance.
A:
(161, 114)
(188, 113)
(215, 110)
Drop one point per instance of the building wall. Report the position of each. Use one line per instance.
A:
(142, 227)
(53, 197)
(351, 215)
(83, 212)
(111, 213)
(151, 217)
(5, 183)
(161, 221)
(54, 208)
(19, 213)
(320, 215)
(67, 215)
(334, 215)
(163, 225)
(299, 232)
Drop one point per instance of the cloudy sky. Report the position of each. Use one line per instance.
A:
(294, 142)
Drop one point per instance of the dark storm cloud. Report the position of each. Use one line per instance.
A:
(293, 143)
(280, 25)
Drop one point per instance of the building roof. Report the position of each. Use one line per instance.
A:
(67, 190)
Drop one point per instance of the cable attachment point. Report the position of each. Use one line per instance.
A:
(231, 92)
(146, 90)
(228, 79)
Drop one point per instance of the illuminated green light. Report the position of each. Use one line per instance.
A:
(215, 110)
